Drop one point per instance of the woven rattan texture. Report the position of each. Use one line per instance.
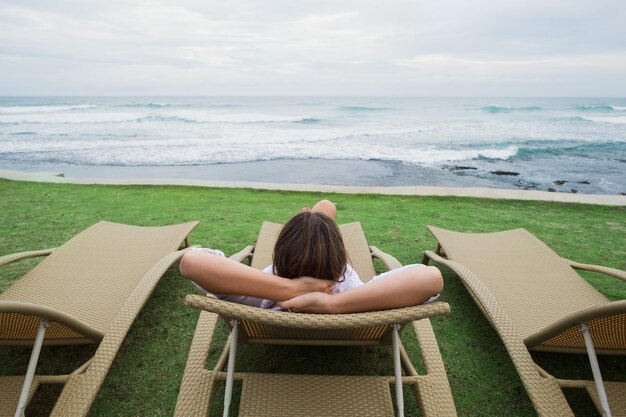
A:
(17, 327)
(389, 261)
(616, 394)
(49, 277)
(311, 395)
(10, 388)
(544, 392)
(504, 275)
(433, 390)
(598, 268)
(608, 334)
(358, 251)
(264, 246)
(194, 395)
(7, 259)
(615, 391)
(434, 393)
(532, 283)
(257, 330)
(81, 389)
(317, 321)
(89, 278)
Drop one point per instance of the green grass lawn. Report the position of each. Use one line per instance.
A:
(145, 377)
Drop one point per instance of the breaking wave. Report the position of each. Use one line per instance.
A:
(507, 109)
(601, 108)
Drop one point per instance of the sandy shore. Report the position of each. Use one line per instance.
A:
(479, 192)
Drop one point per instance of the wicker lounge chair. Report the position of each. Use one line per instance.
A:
(89, 290)
(307, 395)
(535, 300)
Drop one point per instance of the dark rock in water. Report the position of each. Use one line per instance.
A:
(574, 190)
(512, 173)
(561, 182)
(526, 185)
(552, 190)
(458, 167)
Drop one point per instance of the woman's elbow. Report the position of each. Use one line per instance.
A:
(433, 280)
(188, 264)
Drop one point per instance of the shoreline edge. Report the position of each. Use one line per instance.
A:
(475, 192)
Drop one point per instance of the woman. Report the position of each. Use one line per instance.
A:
(310, 273)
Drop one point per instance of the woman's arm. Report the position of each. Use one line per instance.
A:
(405, 288)
(221, 275)
(325, 207)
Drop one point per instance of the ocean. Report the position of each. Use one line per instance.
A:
(556, 144)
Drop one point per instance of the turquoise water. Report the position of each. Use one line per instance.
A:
(580, 141)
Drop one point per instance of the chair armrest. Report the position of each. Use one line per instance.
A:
(389, 261)
(616, 273)
(14, 257)
(240, 256)
(316, 321)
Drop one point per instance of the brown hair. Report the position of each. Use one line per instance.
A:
(310, 244)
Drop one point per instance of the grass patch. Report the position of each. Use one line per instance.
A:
(146, 374)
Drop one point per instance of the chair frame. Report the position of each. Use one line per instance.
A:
(82, 384)
(199, 384)
(541, 386)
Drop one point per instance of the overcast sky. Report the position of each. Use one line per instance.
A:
(321, 47)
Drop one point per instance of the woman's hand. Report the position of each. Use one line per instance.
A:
(305, 285)
(313, 302)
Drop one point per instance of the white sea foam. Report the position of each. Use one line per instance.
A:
(427, 132)
(169, 151)
(620, 120)
(43, 109)
(138, 115)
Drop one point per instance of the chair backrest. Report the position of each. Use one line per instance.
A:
(359, 255)
(361, 260)
(82, 285)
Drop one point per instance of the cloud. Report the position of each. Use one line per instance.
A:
(326, 47)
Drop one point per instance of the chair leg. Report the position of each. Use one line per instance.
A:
(595, 368)
(398, 370)
(32, 365)
(231, 366)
